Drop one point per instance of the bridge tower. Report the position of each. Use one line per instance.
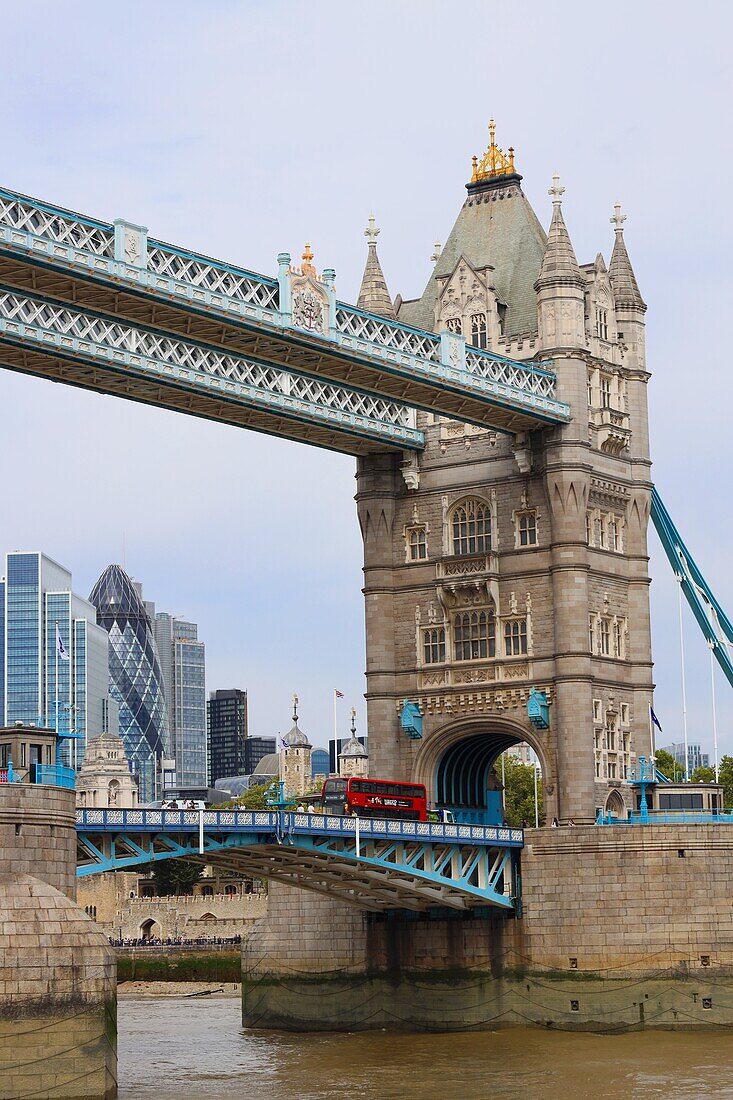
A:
(497, 563)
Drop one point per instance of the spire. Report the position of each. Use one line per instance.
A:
(559, 265)
(623, 281)
(374, 295)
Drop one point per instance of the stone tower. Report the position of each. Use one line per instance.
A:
(295, 758)
(497, 563)
(353, 759)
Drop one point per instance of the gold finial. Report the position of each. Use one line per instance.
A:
(494, 162)
(308, 268)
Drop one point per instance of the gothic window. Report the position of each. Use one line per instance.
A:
(471, 528)
(614, 534)
(474, 635)
(434, 645)
(605, 391)
(618, 639)
(417, 544)
(501, 310)
(606, 637)
(527, 529)
(592, 632)
(478, 330)
(590, 392)
(611, 769)
(625, 714)
(515, 637)
(598, 539)
(602, 323)
(588, 529)
(596, 706)
(453, 324)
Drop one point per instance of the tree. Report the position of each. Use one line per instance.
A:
(175, 877)
(668, 766)
(725, 775)
(519, 792)
(703, 775)
(252, 799)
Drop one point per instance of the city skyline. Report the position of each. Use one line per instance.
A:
(288, 562)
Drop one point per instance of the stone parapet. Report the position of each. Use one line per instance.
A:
(38, 833)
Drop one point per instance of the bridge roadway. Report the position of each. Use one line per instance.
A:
(375, 864)
(114, 272)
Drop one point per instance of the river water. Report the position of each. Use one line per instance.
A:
(176, 1047)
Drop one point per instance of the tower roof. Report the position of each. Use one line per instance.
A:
(296, 738)
(353, 749)
(374, 295)
(496, 229)
(559, 265)
(623, 281)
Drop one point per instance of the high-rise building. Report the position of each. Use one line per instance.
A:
(226, 737)
(256, 749)
(135, 678)
(37, 607)
(696, 757)
(183, 667)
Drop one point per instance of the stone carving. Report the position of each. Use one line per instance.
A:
(132, 246)
(308, 311)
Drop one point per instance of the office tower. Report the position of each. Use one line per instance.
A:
(37, 607)
(135, 679)
(183, 667)
(226, 737)
(256, 749)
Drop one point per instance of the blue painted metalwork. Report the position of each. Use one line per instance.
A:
(411, 720)
(119, 256)
(538, 709)
(647, 777)
(371, 862)
(712, 620)
(56, 775)
(668, 817)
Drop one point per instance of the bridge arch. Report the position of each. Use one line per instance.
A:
(615, 805)
(454, 761)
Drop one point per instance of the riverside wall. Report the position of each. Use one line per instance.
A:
(621, 928)
(58, 1007)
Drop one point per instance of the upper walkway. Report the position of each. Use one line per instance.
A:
(371, 863)
(293, 322)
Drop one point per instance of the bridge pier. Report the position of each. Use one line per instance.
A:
(623, 928)
(58, 974)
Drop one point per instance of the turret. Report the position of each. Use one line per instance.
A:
(560, 285)
(374, 295)
(630, 307)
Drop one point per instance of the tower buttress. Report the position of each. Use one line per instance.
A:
(560, 285)
(630, 307)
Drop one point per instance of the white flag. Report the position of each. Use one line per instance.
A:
(61, 649)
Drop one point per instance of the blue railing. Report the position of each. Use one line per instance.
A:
(56, 775)
(669, 817)
(285, 822)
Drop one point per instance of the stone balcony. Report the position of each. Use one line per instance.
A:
(612, 430)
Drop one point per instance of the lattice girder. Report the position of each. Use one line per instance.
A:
(70, 257)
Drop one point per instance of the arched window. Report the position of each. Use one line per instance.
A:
(478, 330)
(474, 635)
(207, 891)
(471, 528)
(230, 889)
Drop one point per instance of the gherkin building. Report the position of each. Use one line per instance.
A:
(136, 681)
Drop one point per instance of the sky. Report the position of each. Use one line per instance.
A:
(242, 129)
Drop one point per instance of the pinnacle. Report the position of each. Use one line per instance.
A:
(623, 281)
(559, 265)
(374, 295)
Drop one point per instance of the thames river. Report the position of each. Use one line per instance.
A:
(176, 1047)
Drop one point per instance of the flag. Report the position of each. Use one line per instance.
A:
(283, 743)
(61, 649)
(338, 694)
(655, 720)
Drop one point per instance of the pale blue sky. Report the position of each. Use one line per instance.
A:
(242, 130)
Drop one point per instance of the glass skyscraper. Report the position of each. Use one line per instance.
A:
(36, 600)
(227, 734)
(136, 681)
(183, 664)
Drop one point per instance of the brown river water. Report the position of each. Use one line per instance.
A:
(178, 1047)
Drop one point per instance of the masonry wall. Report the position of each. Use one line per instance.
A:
(615, 920)
(38, 834)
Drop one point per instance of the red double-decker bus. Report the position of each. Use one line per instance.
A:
(375, 798)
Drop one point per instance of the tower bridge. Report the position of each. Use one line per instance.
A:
(504, 493)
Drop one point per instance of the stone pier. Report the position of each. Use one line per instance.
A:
(622, 928)
(58, 1006)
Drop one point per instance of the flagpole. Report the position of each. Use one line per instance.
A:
(684, 692)
(335, 724)
(715, 720)
(651, 742)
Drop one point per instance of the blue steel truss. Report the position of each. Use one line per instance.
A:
(372, 863)
(83, 260)
(36, 335)
(711, 618)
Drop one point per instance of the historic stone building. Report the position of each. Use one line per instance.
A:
(353, 759)
(495, 563)
(295, 758)
(104, 780)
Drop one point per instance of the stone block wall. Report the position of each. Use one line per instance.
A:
(38, 834)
